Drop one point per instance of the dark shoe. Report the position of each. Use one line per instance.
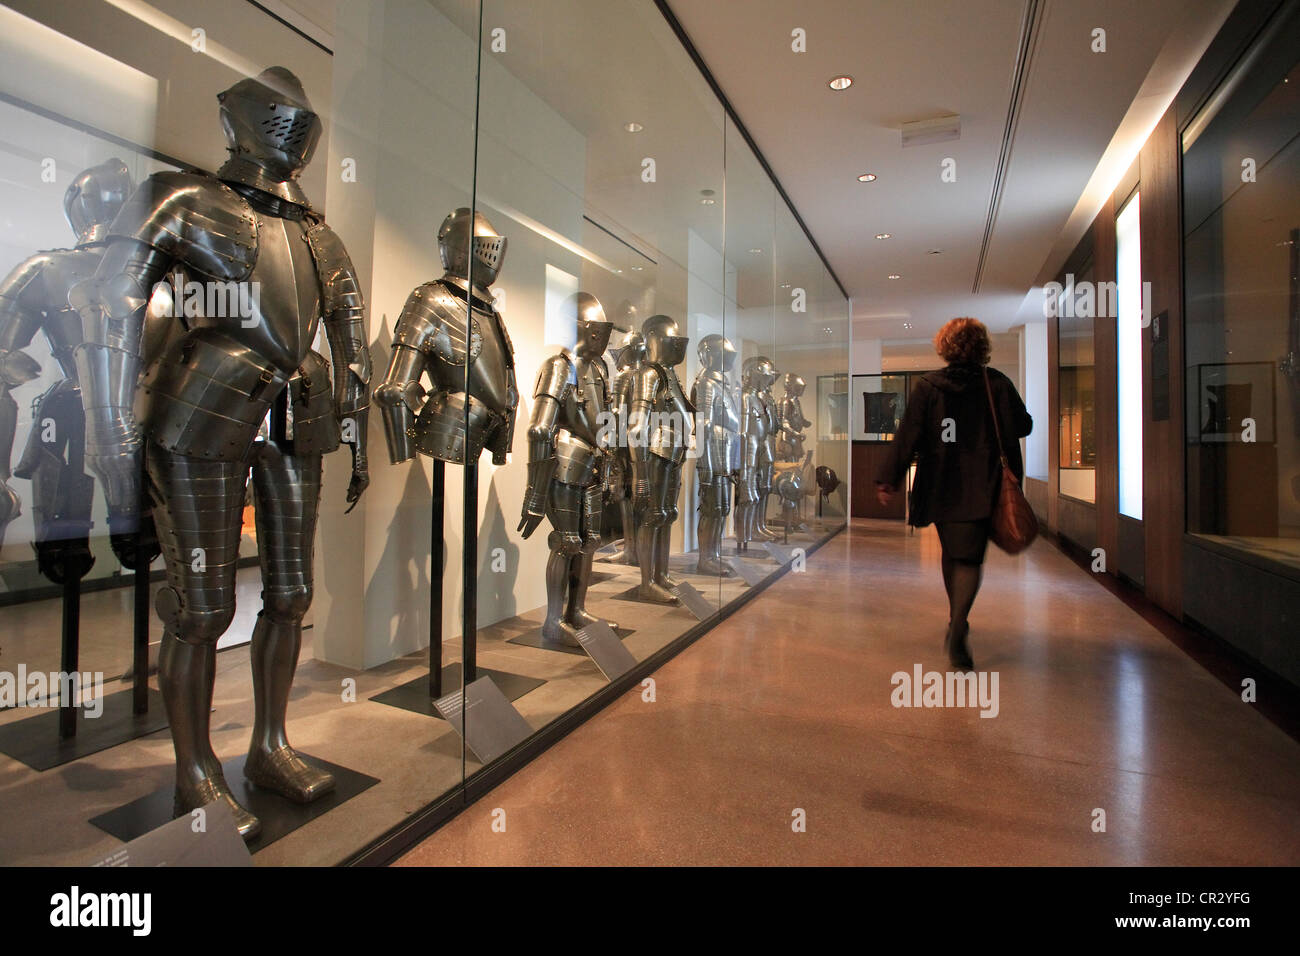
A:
(957, 648)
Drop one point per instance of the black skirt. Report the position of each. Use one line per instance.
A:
(964, 541)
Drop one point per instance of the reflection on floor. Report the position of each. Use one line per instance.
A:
(416, 758)
(786, 706)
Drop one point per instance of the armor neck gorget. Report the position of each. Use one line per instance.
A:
(238, 171)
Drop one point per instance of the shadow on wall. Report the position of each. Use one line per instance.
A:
(498, 568)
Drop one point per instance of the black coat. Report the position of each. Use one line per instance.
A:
(956, 480)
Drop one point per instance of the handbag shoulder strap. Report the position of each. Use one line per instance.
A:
(997, 430)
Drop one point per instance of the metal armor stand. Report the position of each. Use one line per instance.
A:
(48, 740)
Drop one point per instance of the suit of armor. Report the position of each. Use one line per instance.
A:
(222, 395)
(569, 460)
(717, 441)
(34, 297)
(445, 324)
(767, 457)
(659, 430)
(629, 359)
(757, 425)
(793, 422)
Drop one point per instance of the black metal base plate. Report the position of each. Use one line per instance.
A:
(279, 816)
(633, 594)
(534, 638)
(35, 740)
(414, 694)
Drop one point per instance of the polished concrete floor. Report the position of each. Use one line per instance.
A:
(783, 714)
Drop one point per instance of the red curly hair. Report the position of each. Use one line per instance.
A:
(964, 341)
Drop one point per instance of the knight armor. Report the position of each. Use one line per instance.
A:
(233, 387)
(658, 433)
(628, 359)
(34, 297)
(569, 456)
(717, 441)
(793, 422)
(446, 324)
(758, 424)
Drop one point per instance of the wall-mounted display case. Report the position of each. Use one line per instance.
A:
(520, 265)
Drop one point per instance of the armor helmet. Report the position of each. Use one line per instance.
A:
(827, 480)
(717, 354)
(592, 327)
(794, 384)
(631, 352)
(269, 122)
(789, 485)
(664, 343)
(758, 372)
(94, 198)
(486, 246)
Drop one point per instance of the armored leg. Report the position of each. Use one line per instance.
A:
(715, 505)
(54, 462)
(564, 511)
(286, 493)
(652, 528)
(197, 508)
(580, 567)
(664, 541)
(761, 531)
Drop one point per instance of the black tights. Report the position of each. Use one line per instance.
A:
(961, 580)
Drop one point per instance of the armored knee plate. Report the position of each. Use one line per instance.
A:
(288, 605)
(189, 625)
(715, 498)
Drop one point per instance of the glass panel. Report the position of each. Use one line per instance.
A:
(1241, 216)
(1132, 319)
(1077, 429)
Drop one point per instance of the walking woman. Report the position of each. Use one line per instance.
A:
(949, 430)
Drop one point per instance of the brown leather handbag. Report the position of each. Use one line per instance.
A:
(1013, 525)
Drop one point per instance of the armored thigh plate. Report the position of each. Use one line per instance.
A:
(440, 427)
(207, 396)
(575, 460)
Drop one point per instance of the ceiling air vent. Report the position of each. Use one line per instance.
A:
(940, 129)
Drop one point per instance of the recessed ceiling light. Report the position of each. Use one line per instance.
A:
(841, 82)
(785, 285)
(633, 127)
(755, 251)
(884, 235)
(867, 178)
(895, 275)
(935, 252)
(636, 268)
(706, 201)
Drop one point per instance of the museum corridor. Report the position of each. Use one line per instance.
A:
(786, 706)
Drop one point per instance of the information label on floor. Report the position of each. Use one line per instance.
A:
(205, 837)
(485, 720)
(779, 552)
(603, 646)
(694, 601)
(751, 574)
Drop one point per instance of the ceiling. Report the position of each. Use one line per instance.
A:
(918, 60)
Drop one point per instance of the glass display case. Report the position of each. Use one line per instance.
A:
(1241, 223)
(520, 409)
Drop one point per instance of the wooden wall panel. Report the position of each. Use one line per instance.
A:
(1105, 345)
(1164, 478)
(1053, 423)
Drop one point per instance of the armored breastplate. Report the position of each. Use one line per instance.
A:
(756, 413)
(451, 331)
(210, 391)
(62, 325)
(586, 401)
(670, 421)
